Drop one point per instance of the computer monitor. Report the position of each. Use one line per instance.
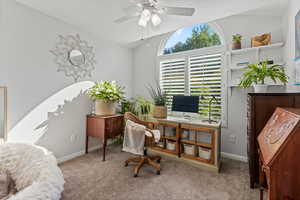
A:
(185, 104)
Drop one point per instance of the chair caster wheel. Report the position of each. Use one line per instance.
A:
(126, 164)
(135, 175)
(158, 172)
(158, 161)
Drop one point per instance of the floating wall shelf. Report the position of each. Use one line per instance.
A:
(251, 55)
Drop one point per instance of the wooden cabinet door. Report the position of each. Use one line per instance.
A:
(114, 126)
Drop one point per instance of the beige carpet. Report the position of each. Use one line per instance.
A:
(88, 178)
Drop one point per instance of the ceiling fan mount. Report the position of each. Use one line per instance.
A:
(151, 10)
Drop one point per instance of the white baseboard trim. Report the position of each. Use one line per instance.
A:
(80, 153)
(74, 155)
(234, 157)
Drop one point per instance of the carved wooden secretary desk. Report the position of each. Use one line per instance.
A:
(279, 144)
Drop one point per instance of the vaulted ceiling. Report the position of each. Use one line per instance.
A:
(97, 16)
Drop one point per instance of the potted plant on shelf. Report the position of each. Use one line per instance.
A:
(257, 73)
(236, 41)
(160, 99)
(106, 94)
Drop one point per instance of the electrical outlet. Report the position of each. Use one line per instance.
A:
(232, 139)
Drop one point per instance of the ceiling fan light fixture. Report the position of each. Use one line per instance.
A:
(142, 22)
(146, 14)
(156, 20)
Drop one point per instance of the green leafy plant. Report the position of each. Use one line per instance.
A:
(143, 106)
(257, 73)
(107, 91)
(128, 106)
(158, 95)
(117, 141)
(237, 38)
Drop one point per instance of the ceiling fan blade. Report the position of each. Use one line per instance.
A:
(138, 1)
(179, 11)
(132, 10)
(124, 19)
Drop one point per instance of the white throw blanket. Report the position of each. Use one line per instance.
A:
(134, 137)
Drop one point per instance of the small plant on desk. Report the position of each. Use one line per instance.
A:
(144, 107)
(160, 100)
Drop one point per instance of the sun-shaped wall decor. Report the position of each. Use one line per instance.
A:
(74, 57)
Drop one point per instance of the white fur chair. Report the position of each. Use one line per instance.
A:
(34, 171)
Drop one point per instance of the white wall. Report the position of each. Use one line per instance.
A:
(289, 34)
(27, 68)
(146, 70)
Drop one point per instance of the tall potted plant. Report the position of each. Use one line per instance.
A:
(106, 94)
(257, 73)
(159, 99)
(236, 41)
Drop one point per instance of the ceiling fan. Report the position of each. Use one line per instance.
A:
(150, 10)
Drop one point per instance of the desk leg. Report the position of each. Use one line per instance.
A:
(87, 145)
(104, 149)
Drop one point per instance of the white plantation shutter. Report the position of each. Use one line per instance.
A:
(205, 80)
(172, 78)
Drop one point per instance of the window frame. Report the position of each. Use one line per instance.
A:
(221, 49)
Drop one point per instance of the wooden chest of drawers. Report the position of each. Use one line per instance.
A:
(279, 144)
(104, 127)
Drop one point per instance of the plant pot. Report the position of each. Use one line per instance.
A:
(160, 112)
(260, 88)
(236, 45)
(105, 107)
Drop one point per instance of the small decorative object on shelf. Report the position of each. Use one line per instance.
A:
(241, 64)
(106, 94)
(160, 99)
(236, 41)
(257, 73)
(261, 40)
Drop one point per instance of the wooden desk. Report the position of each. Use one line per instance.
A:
(279, 144)
(260, 107)
(103, 127)
(198, 128)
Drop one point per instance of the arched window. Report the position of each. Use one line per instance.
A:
(197, 72)
(193, 37)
